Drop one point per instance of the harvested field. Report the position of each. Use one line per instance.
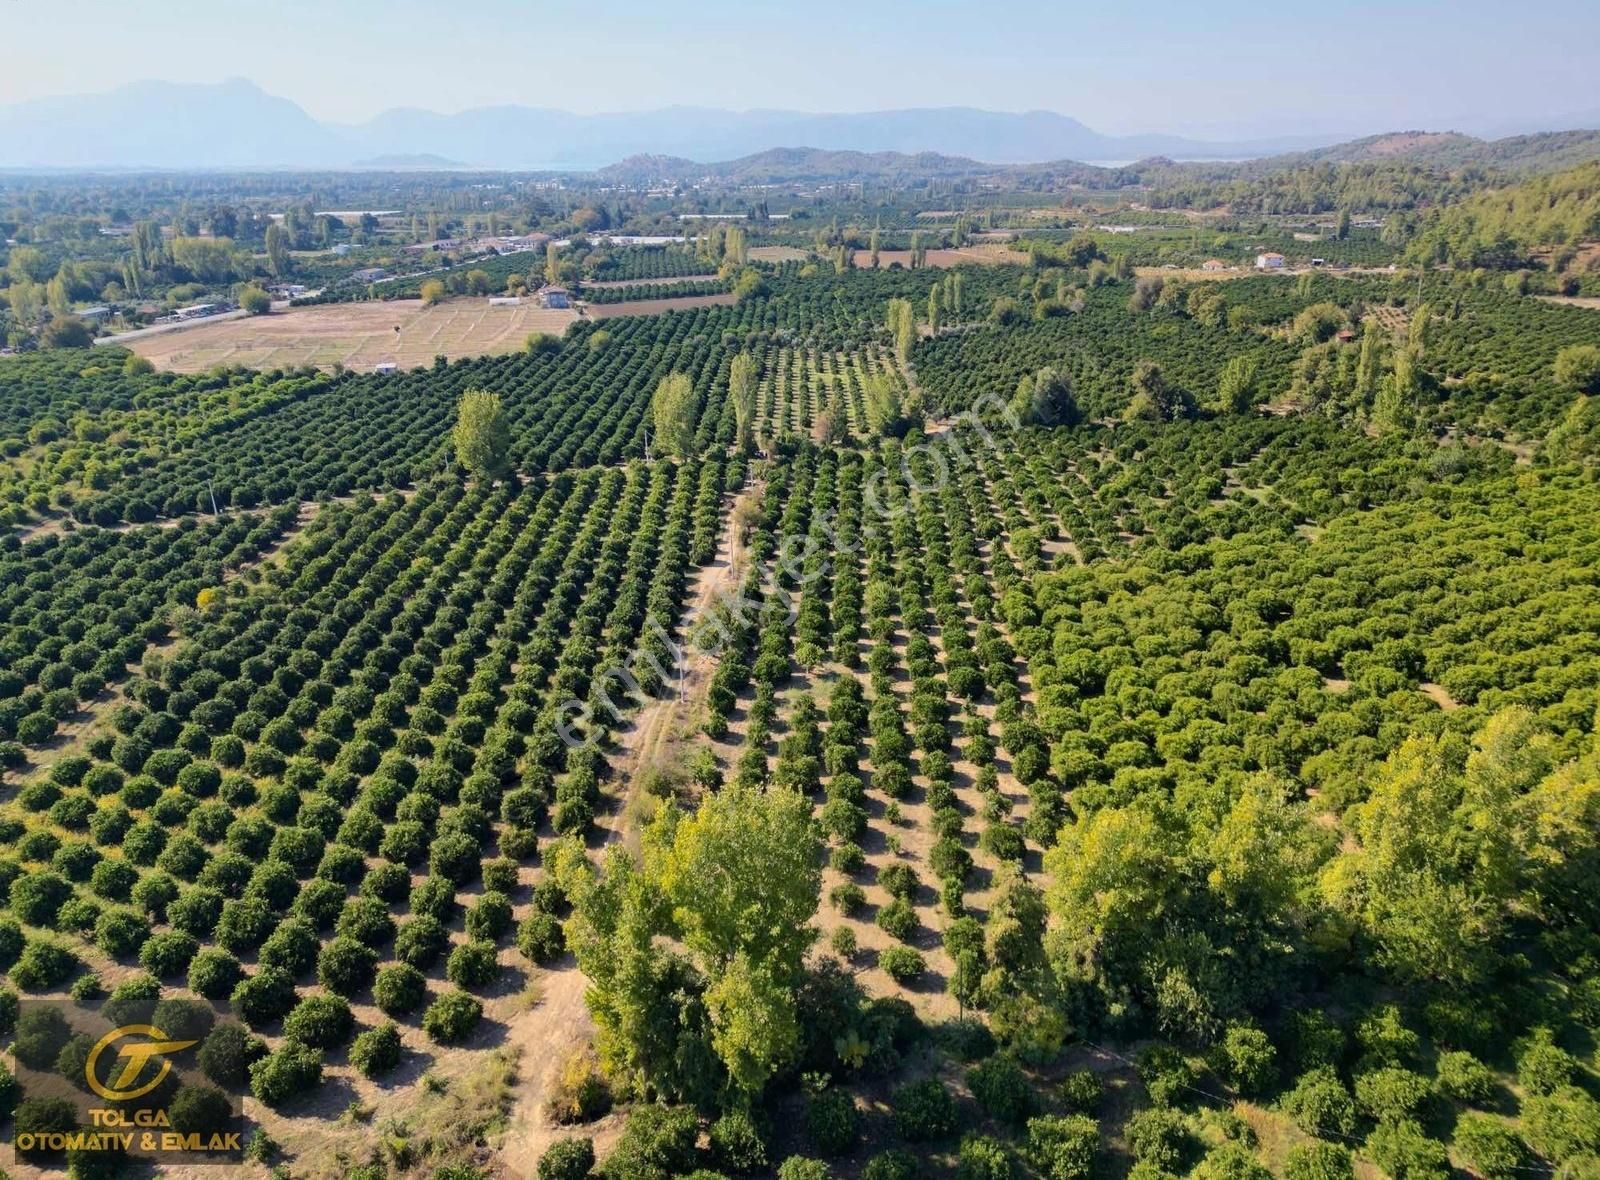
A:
(987, 255)
(777, 254)
(357, 335)
(606, 311)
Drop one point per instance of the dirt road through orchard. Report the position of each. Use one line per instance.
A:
(549, 1033)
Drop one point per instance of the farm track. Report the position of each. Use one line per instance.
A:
(559, 1023)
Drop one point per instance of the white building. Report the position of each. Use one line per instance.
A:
(1270, 261)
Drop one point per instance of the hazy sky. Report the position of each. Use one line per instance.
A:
(1220, 67)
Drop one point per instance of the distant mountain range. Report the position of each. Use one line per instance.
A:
(235, 124)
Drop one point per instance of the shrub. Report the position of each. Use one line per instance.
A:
(183, 1018)
(1159, 1136)
(567, 1159)
(1231, 1161)
(1490, 1146)
(399, 988)
(452, 1017)
(982, 1157)
(798, 1167)
(41, 1034)
(489, 917)
(1391, 1093)
(1247, 1059)
(1543, 1067)
(1002, 1089)
(377, 1050)
(1401, 1149)
(345, 966)
(266, 996)
(214, 974)
(1320, 1105)
(737, 1143)
(833, 1124)
(1082, 1091)
(1318, 1161)
(1562, 1125)
(1064, 1148)
(287, 1071)
(168, 953)
(227, 1052)
(924, 1111)
(658, 1141)
(133, 1001)
(472, 964)
(120, 933)
(320, 1021)
(893, 1164)
(1462, 1076)
(43, 966)
(1166, 1074)
(421, 941)
(579, 1092)
(902, 964)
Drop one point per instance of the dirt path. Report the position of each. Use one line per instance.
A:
(559, 1024)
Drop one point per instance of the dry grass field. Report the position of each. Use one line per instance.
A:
(988, 254)
(356, 335)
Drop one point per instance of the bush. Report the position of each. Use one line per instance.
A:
(287, 1071)
(266, 996)
(737, 1143)
(1462, 1076)
(540, 938)
(489, 917)
(567, 1159)
(1082, 1091)
(1391, 1093)
(893, 1164)
(43, 966)
(798, 1167)
(1318, 1161)
(1543, 1067)
(472, 964)
(925, 1112)
(898, 919)
(377, 1050)
(1231, 1161)
(182, 1018)
(1160, 1137)
(1166, 1074)
(657, 1142)
(168, 953)
(579, 1092)
(41, 1034)
(200, 1110)
(983, 1158)
(227, 1052)
(1401, 1149)
(345, 966)
(399, 988)
(1064, 1148)
(1490, 1146)
(320, 1021)
(1320, 1105)
(421, 941)
(902, 964)
(1562, 1125)
(1002, 1089)
(133, 1001)
(214, 974)
(1247, 1059)
(833, 1124)
(452, 1017)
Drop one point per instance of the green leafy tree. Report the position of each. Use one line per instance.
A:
(672, 409)
(482, 437)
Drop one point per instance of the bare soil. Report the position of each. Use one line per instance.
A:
(356, 335)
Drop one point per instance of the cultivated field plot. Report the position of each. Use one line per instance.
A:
(777, 254)
(966, 255)
(357, 335)
(607, 311)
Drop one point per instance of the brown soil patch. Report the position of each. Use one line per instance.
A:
(602, 284)
(357, 335)
(987, 255)
(1439, 696)
(777, 254)
(607, 311)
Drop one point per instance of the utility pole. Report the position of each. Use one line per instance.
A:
(213, 491)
